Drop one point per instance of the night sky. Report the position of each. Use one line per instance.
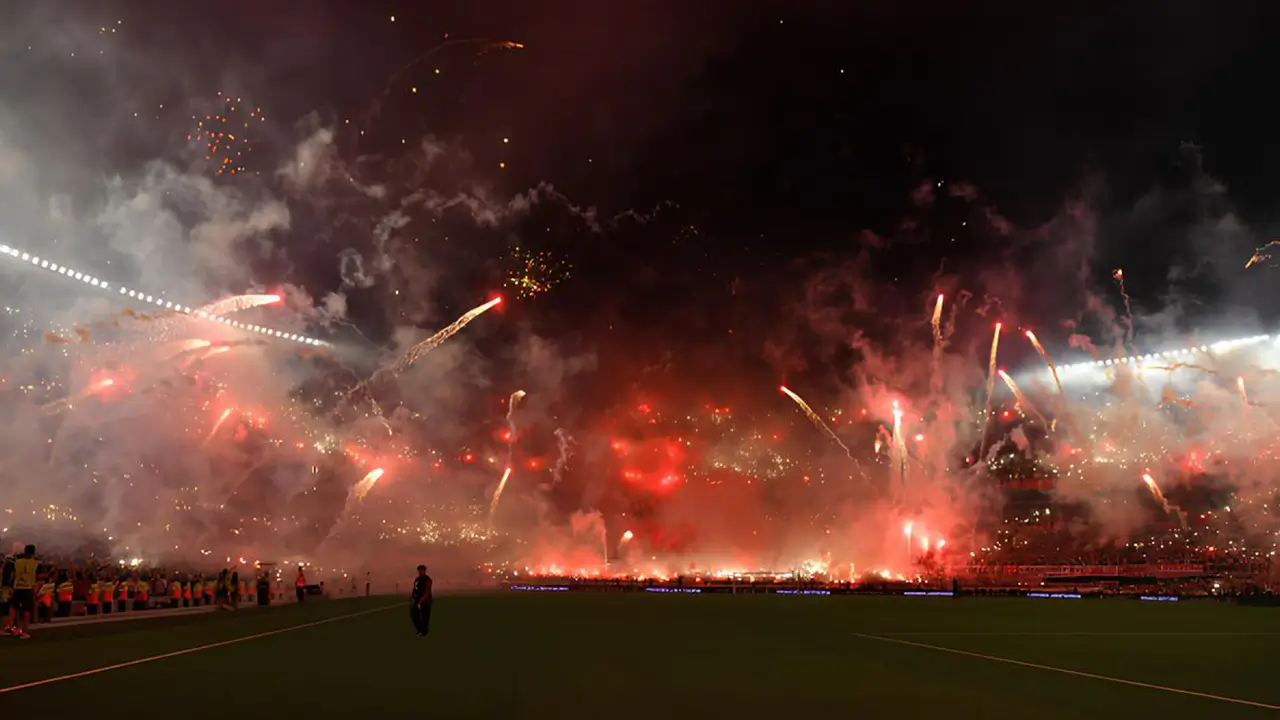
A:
(729, 179)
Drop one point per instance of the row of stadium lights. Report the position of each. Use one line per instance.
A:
(1133, 360)
(158, 302)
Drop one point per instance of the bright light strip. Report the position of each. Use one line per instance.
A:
(158, 302)
(1168, 355)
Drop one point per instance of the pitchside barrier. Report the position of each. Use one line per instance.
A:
(1076, 593)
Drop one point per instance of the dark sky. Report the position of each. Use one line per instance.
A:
(761, 142)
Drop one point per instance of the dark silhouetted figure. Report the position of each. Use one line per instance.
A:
(420, 610)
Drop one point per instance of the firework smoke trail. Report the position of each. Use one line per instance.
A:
(223, 418)
(817, 421)
(1053, 370)
(1022, 399)
(1244, 396)
(497, 494)
(899, 445)
(1128, 307)
(366, 484)
(938, 342)
(563, 441)
(991, 388)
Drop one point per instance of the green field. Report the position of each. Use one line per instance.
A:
(641, 655)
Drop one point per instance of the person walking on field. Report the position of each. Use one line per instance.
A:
(420, 609)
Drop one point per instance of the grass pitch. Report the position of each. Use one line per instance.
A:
(643, 655)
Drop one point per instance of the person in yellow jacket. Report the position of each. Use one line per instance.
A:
(190, 598)
(141, 592)
(25, 570)
(210, 590)
(107, 594)
(175, 592)
(91, 596)
(66, 593)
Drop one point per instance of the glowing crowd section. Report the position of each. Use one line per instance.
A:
(159, 302)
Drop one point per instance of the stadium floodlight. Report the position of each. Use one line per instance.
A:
(160, 302)
(1221, 346)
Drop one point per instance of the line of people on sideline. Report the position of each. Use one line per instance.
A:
(32, 590)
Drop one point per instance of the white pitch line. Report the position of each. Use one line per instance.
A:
(1083, 633)
(1077, 673)
(188, 651)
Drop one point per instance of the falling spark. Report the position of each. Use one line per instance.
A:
(366, 484)
(906, 530)
(1244, 396)
(1022, 399)
(225, 414)
(815, 419)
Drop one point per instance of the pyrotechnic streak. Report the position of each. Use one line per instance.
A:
(497, 494)
(906, 530)
(1155, 491)
(991, 388)
(936, 322)
(221, 419)
(237, 303)
(938, 342)
(1022, 399)
(1128, 307)
(512, 402)
(417, 351)
(157, 300)
(1261, 254)
(1053, 369)
(88, 391)
(486, 45)
(816, 420)
(1244, 396)
(366, 484)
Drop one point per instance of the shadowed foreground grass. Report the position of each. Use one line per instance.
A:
(640, 655)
